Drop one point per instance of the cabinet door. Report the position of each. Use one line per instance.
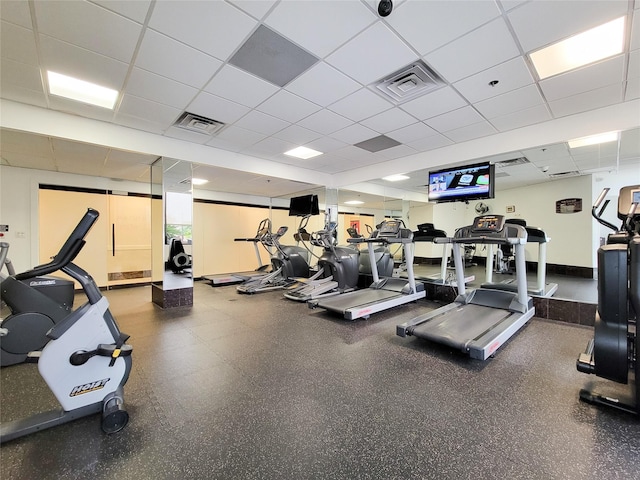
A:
(58, 214)
(129, 251)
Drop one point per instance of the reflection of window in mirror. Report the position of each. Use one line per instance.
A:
(178, 217)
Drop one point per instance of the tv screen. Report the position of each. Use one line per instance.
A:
(455, 184)
(304, 205)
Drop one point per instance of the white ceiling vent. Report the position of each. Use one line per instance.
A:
(196, 123)
(409, 82)
(512, 162)
(572, 173)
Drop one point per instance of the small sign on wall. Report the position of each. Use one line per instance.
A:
(569, 205)
(511, 209)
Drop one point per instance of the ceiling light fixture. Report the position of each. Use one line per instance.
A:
(198, 181)
(303, 152)
(594, 139)
(81, 91)
(396, 178)
(353, 202)
(582, 49)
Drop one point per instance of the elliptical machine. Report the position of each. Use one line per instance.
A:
(337, 269)
(613, 351)
(34, 310)
(86, 361)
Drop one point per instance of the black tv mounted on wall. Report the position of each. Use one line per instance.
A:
(461, 184)
(304, 205)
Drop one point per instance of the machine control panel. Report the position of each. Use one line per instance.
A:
(488, 223)
(389, 228)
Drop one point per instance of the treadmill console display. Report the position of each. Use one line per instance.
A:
(488, 223)
(389, 228)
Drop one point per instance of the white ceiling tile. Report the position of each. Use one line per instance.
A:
(18, 43)
(159, 89)
(136, 11)
(20, 74)
(24, 160)
(451, 120)
(139, 107)
(320, 27)
(138, 123)
(169, 58)
(633, 89)
(261, 123)
(434, 103)
(522, 118)
(587, 101)
(412, 132)
(510, 4)
(374, 54)
(13, 141)
(390, 120)
(633, 70)
(538, 24)
(240, 136)
(80, 109)
(239, 86)
(95, 28)
(70, 60)
(215, 28)
(635, 30)
(74, 151)
(510, 102)
(541, 156)
(16, 12)
(398, 151)
(313, 83)
(430, 143)
(360, 105)
(255, 8)
(325, 122)
(288, 107)
(428, 25)
(479, 50)
(326, 144)
(584, 79)
(272, 146)
(296, 134)
(187, 135)
(510, 75)
(217, 108)
(354, 133)
(469, 132)
(22, 95)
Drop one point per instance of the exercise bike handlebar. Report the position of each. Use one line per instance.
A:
(69, 251)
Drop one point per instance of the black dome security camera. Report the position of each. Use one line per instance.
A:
(385, 7)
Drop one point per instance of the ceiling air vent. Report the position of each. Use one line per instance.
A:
(410, 81)
(572, 173)
(196, 123)
(512, 162)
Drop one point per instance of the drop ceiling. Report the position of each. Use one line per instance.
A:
(170, 57)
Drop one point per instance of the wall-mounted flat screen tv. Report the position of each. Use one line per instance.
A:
(304, 205)
(458, 184)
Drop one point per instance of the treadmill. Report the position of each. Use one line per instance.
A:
(538, 289)
(428, 233)
(384, 292)
(239, 277)
(479, 321)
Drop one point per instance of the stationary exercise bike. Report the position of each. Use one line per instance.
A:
(34, 310)
(86, 361)
(613, 351)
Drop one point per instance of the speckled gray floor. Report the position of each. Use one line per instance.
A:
(259, 387)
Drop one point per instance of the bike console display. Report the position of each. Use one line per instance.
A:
(488, 224)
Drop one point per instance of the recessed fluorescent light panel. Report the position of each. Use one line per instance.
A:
(303, 152)
(594, 139)
(353, 202)
(81, 91)
(582, 49)
(198, 181)
(396, 178)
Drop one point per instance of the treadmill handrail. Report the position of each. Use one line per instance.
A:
(482, 239)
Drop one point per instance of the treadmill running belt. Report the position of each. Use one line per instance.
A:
(461, 326)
